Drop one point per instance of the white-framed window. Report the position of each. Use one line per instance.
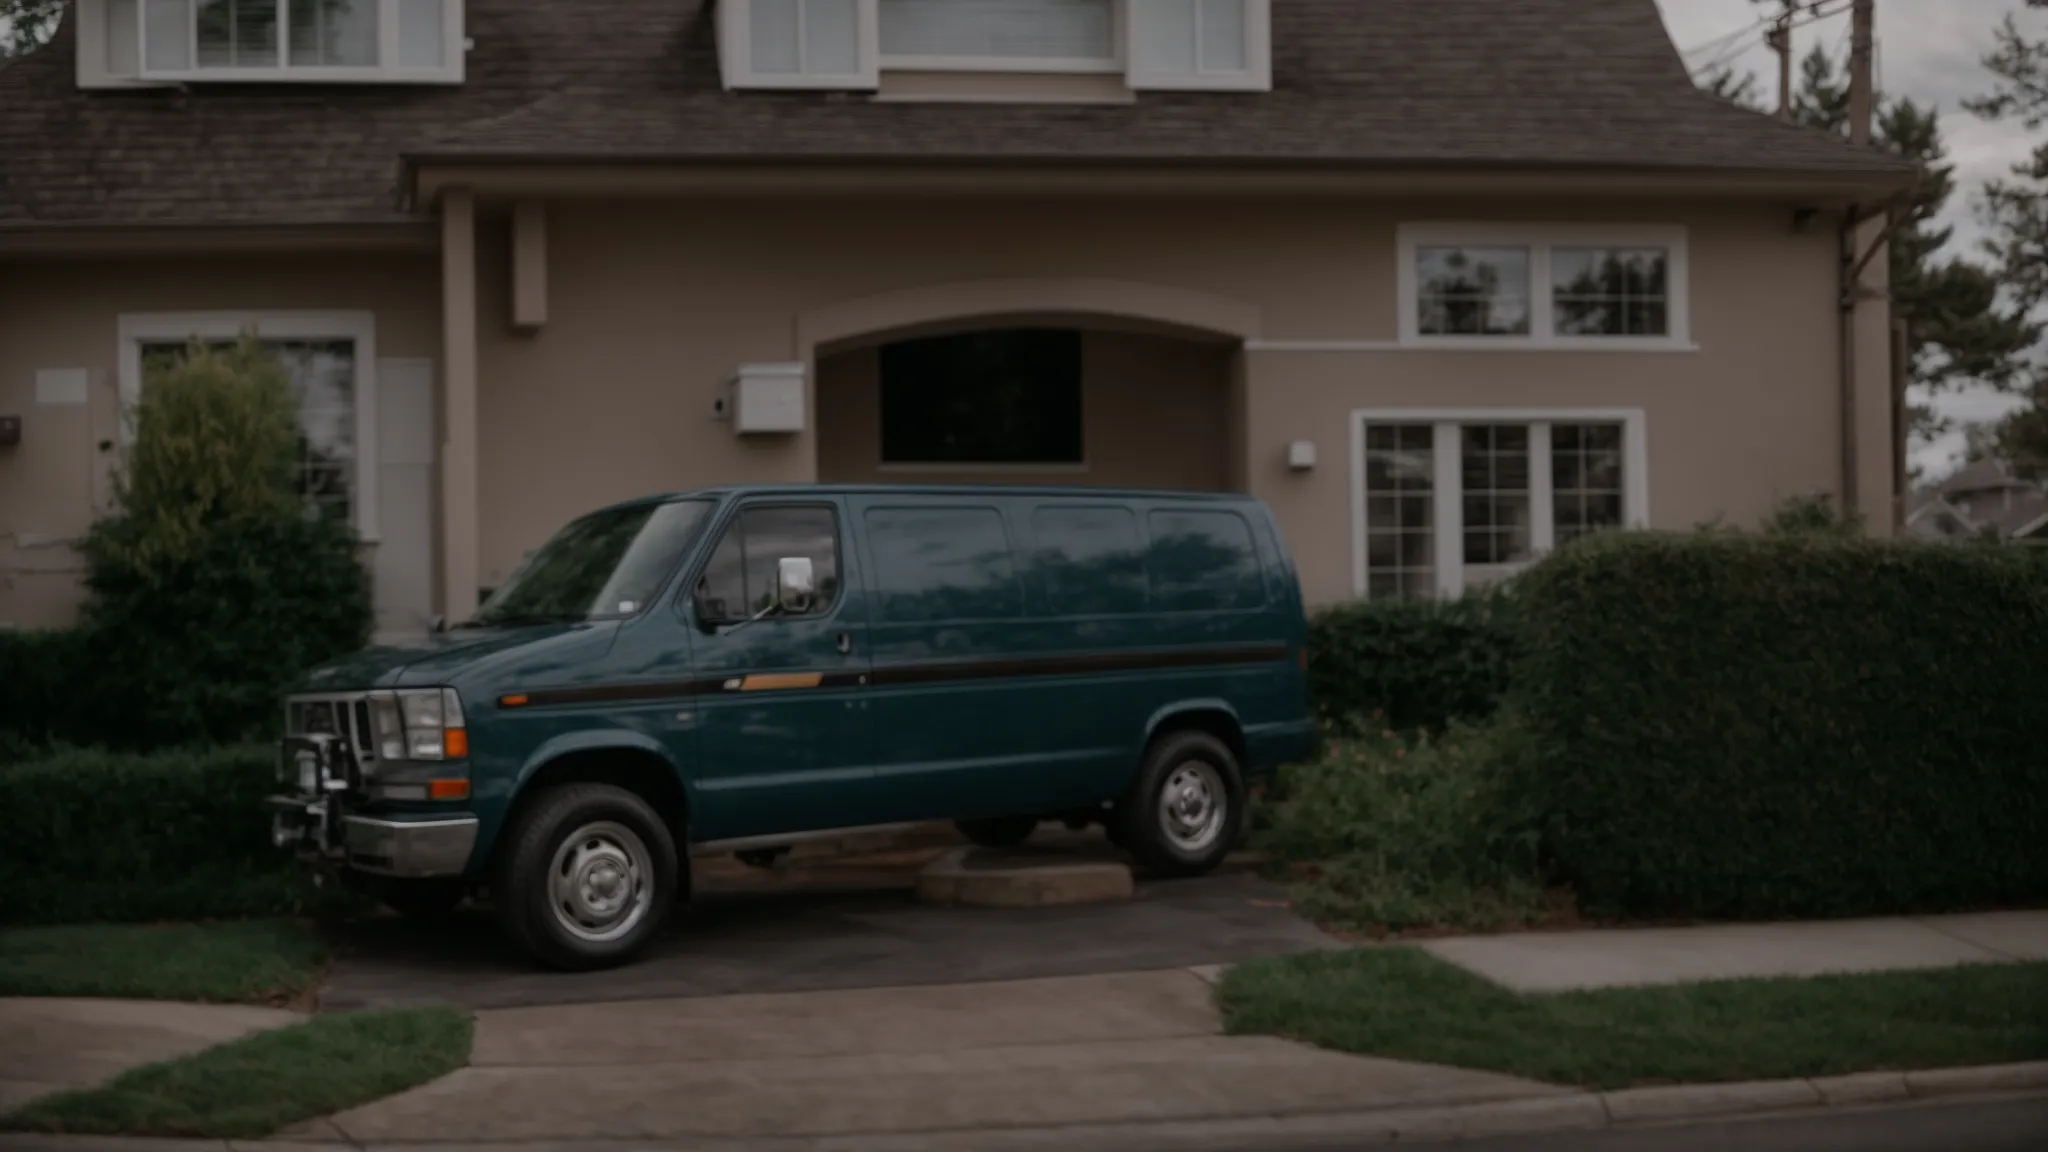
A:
(1448, 500)
(330, 358)
(1616, 287)
(1195, 45)
(272, 41)
(1001, 35)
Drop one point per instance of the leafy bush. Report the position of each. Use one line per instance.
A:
(1394, 832)
(1757, 726)
(108, 836)
(1421, 664)
(214, 586)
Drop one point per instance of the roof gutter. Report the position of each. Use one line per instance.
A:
(426, 175)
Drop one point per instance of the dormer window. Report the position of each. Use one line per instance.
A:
(1190, 45)
(272, 41)
(1001, 35)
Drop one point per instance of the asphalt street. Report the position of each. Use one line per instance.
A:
(1978, 1126)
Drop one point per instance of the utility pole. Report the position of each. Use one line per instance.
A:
(1779, 40)
(1862, 68)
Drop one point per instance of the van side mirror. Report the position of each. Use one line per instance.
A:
(795, 584)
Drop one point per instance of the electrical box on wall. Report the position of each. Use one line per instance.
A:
(767, 399)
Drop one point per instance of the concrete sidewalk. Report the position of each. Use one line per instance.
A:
(1564, 961)
(1096, 1050)
(56, 1045)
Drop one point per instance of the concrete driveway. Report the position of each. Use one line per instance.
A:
(752, 932)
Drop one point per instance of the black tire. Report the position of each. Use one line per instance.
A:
(423, 900)
(588, 834)
(1203, 837)
(998, 831)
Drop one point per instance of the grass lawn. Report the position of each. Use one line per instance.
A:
(1405, 1004)
(260, 961)
(251, 1087)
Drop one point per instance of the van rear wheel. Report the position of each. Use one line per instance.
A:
(588, 875)
(999, 831)
(1185, 809)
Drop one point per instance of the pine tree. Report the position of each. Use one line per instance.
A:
(2016, 209)
(1960, 329)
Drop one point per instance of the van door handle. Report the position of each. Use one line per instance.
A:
(844, 643)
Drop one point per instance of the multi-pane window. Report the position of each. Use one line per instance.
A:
(1610, 291)
(395, 40)
(1452, 502)
(1042, 32)
(1494, 481)
(322, 376)
(1472, 291)
(1585, 478)
(1573, 286)
(739, 580)
(1400, 501)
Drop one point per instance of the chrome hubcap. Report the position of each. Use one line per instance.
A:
(1191, 806)
(599, 884)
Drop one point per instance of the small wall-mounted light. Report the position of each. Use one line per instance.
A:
(1802, 218)
(10, 431)
(1301, 455)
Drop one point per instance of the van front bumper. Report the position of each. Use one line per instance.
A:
(316, 824)
(421, 848)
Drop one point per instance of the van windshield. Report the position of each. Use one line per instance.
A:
(603, 566)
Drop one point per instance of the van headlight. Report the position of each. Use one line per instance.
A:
(420, 724)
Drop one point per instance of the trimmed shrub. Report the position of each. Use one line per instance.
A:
(1735, 726)
(1394, 832)
(39, 689)
(216, 585)
(1421, 664)
(104, 836)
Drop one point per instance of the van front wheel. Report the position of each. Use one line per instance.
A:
(1184, 811)
(588, 876)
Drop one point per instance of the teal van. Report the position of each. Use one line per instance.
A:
(739, 670)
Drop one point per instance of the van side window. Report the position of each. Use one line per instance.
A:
(1090, 561)
(1203, 562)
(941, 563)
(739, 579)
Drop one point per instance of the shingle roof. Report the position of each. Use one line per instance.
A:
(1574, 83)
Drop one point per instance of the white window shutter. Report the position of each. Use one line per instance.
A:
(1200, 45)
(798, 44)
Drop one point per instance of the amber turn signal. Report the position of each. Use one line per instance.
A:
(455, 743)
(448, 789)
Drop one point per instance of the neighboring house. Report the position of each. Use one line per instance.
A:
(1446, 282)
(1983, 498)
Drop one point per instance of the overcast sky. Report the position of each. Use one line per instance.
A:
(1930, 50)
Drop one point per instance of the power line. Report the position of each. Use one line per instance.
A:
(1726, 48)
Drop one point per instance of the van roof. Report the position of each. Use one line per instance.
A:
(1046, 490)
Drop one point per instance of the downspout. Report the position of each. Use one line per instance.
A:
(1853, 293)
(1850, 296)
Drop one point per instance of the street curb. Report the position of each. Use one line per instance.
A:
(1572, 1111)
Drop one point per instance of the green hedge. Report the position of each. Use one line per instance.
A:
(41, 673)
(1758, 727)
(90, 836)
(1421, 665)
